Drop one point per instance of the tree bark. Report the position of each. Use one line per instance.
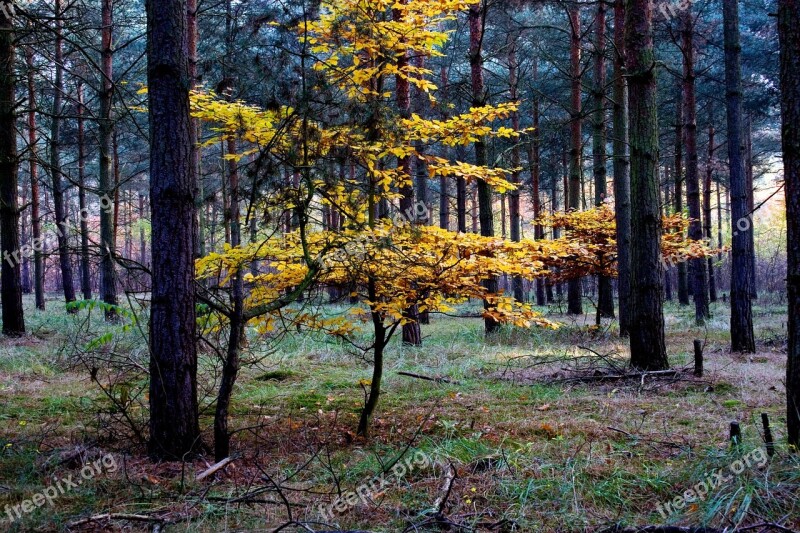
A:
(622, 182)
(683, 274)
(412, 332)
(36, 231)
(697, 267)
(536, 171)
(605, 290)
(648, 348)
(86, 275)
(750, 187)
(11, 292)
(174, 429)
(712, 283)
(789, 38)
(59, 208)
(106, 187)
(513, 199)
(574, 286)
(742, 338)
(485, 212)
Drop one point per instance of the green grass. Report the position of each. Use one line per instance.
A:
(529, 449)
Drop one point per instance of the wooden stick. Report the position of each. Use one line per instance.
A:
(447, 487)
(768, 441)
(736, 433)
(428, 378)
(698, 358)
(213, 469)
(116, 516)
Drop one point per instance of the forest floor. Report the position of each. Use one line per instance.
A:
(512, 443)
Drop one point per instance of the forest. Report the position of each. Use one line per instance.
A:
(368, 266)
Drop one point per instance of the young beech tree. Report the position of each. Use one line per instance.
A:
(392, 266)
(589, 245)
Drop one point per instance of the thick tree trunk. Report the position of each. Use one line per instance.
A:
(174, 430)
(11, 292)
(574, 286)
(605, 290)
(742, 339)
(486, 215)
(648, 349)
(789, 37)
(106, 187)
(622, 182)
(697, 267)
(59, 208)
(86, 275)
(712, 283)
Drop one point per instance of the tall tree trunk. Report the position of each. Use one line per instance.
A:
(648, 348)
(751, 207)
(605, 290)
(477, 12)
(11, 292)
(106, 187)
(412, 332)
(622, 182)
(697, 267)
(712, 282)
(534, 158)
(59, 207)
(513, 199)
(86, 275)
(36, 228)
(789, 38)
(742, 339)
(683, 273)
(174, 429)
(192, 33)
(574, 286)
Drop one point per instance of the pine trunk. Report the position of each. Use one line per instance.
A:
(485, 200)
(86, 275)
(605, 290)
(36, 231)
(59, 207)
(697, 267)
(11, 292)
(648, 348)
(789, 38)
(622, 182)
(174, 429)
(742, 338)
(106, 186)
(574, 286)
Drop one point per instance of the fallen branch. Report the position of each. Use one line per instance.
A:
(213, 469)
(447, 487)
(116, 516)
(429, 378)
